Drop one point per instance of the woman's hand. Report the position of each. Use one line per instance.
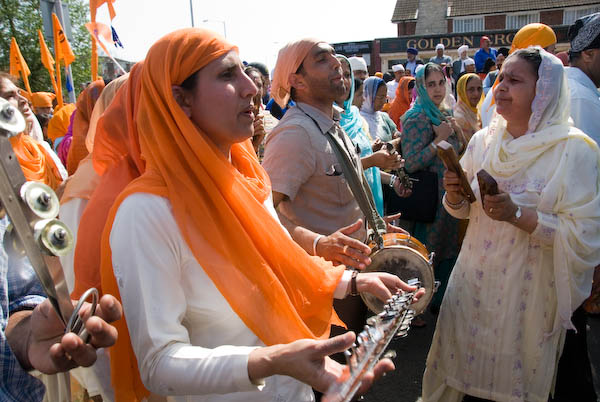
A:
(259, 132)
(400, 190)
(442, 132)
(499, 207)
(340, 248)
(377, 145)
(383, 285)
(453, 188)
(307, 361)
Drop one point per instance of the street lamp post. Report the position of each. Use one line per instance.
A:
(192, 12)
(222, 22)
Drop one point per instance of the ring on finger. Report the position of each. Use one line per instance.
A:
(491, 210)
(345, 249)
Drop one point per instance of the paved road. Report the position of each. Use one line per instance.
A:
(404, 384)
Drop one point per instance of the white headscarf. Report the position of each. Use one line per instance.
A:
(576, 249)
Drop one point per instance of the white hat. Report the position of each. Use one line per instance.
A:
(469, 61)
(358, 64)
(463, 48)
(439, 46)
(397, 67)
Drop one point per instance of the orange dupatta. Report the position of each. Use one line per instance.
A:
(36, 163)
(85, 179)
(117, 161)
(402, 100)
(81, 122)
(280, 292)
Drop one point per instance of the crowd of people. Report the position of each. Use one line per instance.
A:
(207, 200)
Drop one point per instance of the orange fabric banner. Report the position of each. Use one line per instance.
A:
(18, 64)
(62, 49)
(94, 4)
(47, 60)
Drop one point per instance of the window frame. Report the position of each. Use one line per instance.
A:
(462, 20)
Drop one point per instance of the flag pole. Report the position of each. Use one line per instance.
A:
(69, 74)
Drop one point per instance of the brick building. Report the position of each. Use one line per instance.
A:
(425, 23)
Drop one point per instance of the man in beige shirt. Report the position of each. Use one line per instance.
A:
(310, 191)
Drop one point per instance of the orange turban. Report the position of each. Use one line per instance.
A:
(535, 34)
(85, 105)
(280, 292)
(59, 123)
(42, 99)
(36, 163)
(289, 59)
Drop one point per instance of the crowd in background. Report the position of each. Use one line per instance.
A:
(209, 240)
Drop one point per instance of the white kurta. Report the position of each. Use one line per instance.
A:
(187, 339)
(494, 337)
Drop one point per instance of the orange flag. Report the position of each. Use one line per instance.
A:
(94, 4)
(18, 64)
(47, 59)
(62, 49)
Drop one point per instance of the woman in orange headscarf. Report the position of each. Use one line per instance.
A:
(402, 100)
(117, 161)
(81, 122)
(207, 274)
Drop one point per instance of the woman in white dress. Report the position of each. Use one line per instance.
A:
(527, 260)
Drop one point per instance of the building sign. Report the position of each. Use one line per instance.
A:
(352, 48)
(454, 41)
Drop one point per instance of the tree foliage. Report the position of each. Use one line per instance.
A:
(22, 19)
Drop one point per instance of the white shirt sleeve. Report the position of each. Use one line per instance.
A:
(147, 260)
(585, 117)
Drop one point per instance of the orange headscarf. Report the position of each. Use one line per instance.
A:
(85, 179)
(280, 292)
(85, 105)
(402, 100)
(116, 161)
(36, 163)
(59, 123)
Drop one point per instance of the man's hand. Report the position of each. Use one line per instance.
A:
(383, 285)
(340, 248)
(50, 351)
(391, 228)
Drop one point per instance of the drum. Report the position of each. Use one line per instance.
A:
(407, 258)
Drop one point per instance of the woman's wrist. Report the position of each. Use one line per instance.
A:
(455, 205)
(262, 363)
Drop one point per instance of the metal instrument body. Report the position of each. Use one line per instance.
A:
(371, 343)
(34, 230)
(407, 258)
